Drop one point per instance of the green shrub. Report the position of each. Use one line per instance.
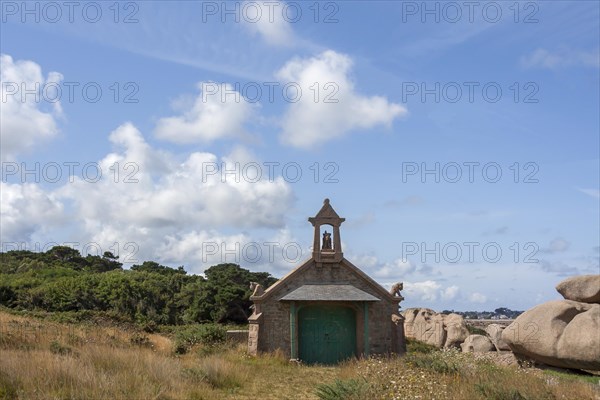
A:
(490, 392)
(433, 362)
(473, 330)
(57, 348)
(150, 327)
(415, 346)
(140, 339)
(206, 334)
(343, 390)
(9, 388)
(573, 375)
(217, 372)
(210, 349)
(179, 348)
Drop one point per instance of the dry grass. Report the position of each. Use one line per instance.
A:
(455, 375)
(274, 377)
(44, 360)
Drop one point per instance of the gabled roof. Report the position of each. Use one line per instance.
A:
(310, 263)
(326, 211)
(280, 282)
(328, 293)
(370, 281)
(327, 215)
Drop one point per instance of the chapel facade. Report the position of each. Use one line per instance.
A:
(326, 309)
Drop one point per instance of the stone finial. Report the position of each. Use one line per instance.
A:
(396, 289)
(257, 289)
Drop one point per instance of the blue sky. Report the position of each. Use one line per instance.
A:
(504, 94)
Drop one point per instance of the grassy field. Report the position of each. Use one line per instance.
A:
(40, 359)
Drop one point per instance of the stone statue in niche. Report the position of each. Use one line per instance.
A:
(326, 241)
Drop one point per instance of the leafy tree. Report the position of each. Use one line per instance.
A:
(108, 262)
(63, 253)
(110, 256)
(229, 286)
(151, 266)
(65, 256)
(61, 280)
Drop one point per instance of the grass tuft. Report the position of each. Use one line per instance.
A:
(493, 392)
(57, 348)
(205, 334)
(216, 372)
(415, 346)
(140, 339)
(473, 330)
(343, 390)
(9, 387)
(433, 362)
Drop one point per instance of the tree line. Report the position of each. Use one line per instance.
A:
(62, 280)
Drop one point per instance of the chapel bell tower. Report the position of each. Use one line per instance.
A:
(326, 250)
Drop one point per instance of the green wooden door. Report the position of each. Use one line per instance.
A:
(327, 334)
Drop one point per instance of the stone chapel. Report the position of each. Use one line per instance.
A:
(326, 309)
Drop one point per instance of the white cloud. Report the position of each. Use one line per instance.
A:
(396, 269)
(424, 291)
(364, 261)
(218, 112)
(209, 247)
(591, 192)
(450, 292)
(26, 119)
(429, 291)
(170, 193)
(390, 272)
(267, 20)
(561, 58)
(277, 254)
(135, 149)
(361, 221)
(557, 245)
(25, 209)
(477, 297)
(155, 207)
(559, 268)
(335, 109)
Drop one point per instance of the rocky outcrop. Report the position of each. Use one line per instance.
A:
(560, 333)
(584, 288)
(439, 330)
(477, 344)
(456, 330)
(494, 331)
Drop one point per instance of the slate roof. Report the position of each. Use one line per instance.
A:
(328, 293)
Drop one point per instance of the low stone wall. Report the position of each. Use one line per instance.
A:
(237, 336)
(483, 323)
